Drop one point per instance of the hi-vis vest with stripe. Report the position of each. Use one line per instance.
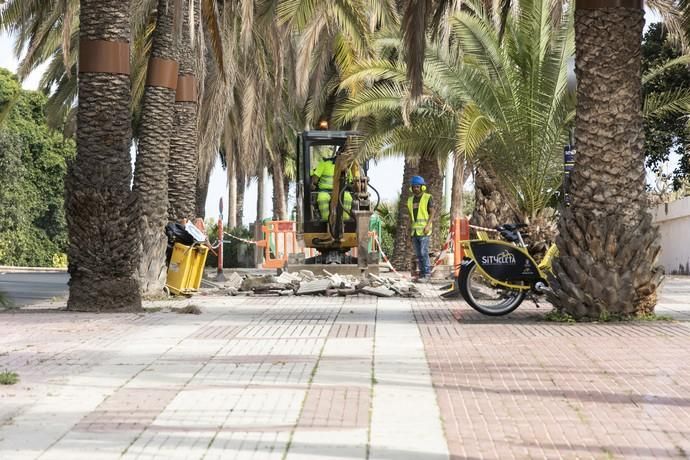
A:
(422, 214)
(325, 171)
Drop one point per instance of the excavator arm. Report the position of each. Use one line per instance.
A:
(347, 172)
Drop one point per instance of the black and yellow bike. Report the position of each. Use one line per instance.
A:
(497, 275)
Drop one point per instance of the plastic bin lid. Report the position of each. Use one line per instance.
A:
(197, 234)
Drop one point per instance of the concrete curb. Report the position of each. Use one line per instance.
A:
(9, 269)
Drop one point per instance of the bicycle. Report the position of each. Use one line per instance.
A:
(497, 275)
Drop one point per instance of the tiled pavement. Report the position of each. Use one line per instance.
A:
(344, 378)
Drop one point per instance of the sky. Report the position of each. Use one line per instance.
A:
(386, 175)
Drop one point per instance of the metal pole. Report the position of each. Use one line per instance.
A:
(219, 273)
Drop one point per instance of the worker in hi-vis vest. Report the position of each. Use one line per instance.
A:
(421, 207)
(322, 180)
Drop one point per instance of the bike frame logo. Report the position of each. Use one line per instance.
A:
(502, 258)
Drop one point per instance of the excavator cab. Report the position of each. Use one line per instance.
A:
(333, 220)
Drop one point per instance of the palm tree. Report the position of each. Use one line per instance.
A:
(519, 111)
(154, 149)
(182, 172)
(502, 102)
(608, 244)
(220, 81)
(48, 32)
(101, 208)
(241, 186)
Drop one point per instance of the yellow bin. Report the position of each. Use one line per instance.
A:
(186, 268)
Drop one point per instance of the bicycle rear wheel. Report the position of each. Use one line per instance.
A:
(485, 296)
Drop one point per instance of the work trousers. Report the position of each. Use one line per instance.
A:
(421, 250)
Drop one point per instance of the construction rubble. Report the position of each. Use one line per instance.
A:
(306, 282)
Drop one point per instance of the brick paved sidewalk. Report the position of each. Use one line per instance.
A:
(352, 378)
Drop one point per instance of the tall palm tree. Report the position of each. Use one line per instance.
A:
(503, 102)
(154, 148)
(48, 32)
(332, 37)
(101, 208)
(422, 16)
(608, 244)
(184, 156)
(241, 188)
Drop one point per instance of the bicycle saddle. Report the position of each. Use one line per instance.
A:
(511, 227)
(509, 232)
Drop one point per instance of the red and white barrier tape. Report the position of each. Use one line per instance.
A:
(239, 239)
(486, 229)
(385, 259)
(439, 259)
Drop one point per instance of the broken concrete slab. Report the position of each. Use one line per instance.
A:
(296, 258)
(378, 291)
(307, 274)
(314, 287)
(305, 282)
(288, 278)
(233, 280)
(263, 283)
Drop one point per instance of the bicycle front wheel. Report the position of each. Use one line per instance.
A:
(485, 296)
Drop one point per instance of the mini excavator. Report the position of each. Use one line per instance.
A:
(345, 223)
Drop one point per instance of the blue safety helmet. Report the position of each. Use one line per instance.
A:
(417, 180)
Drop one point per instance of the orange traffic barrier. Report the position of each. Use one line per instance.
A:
(461, 232)
(281, 241)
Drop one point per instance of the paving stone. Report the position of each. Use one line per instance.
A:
(314, 377)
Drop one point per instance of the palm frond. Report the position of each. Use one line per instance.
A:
(676, 101)
(653, 73)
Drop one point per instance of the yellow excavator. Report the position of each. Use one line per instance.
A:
(333, 220)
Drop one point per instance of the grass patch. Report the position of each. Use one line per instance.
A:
(5, 301)
(8, 378)
(556, 316)
(604, 317)
(654, 317)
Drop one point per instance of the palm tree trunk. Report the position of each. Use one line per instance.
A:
(608, 244)
(402, 257)
(286, 194)
(154, 150)
(182, 177)
(456, 200)
(241, 187)
(259, 214)
(202, 183)
(101, 209)
(493, 206)
(260, 211)
(232, 194)
(279, 209)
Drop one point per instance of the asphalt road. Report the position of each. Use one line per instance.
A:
(30, 287)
